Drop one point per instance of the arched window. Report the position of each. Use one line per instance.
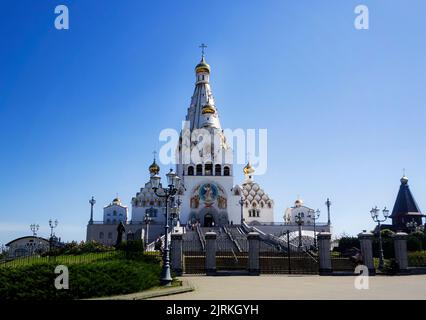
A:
(109, 235)
(257, 213)
(199, 170)
(217, 170)
(101, 235)
(108, 221)
(226, 171)
(114, 213)
(208, 169)
(114, 221)
(190, 171)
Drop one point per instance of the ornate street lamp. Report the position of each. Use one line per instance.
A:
(173, 182)
(34, 228)
(92, 203)
(412, 226)
(299, 222)
(375, 216)
(314, 215)
(52, 225)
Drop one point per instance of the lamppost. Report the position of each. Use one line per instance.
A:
(328, 204)
(314, 215)
(92, 203)
(168, 193)
(34, 228)
(241, 202)
(147, 219)
(52, 225)
(375, 216)
(299, 222)
(174, 213)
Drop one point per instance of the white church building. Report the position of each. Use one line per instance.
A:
(208, 194)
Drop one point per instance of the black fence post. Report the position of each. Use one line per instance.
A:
(288, 251)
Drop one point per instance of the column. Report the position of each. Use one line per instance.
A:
(254, 248)
(324, 247)
(366, 243)
(400, 246)
(210, 253)
(176, 253)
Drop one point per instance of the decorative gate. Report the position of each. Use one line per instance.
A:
(193, 255)
(229, 257)
(274, 260)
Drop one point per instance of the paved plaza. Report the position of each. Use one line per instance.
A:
(302, 288)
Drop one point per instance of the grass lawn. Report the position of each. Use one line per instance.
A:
(90, 275)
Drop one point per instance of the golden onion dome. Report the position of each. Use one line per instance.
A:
(248, 169)
(208, 108)
(154, 168)
(202, 66)
(116, 201)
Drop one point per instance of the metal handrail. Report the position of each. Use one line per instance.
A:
(232, 239)
(201, 237)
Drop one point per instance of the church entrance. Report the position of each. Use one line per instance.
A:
(208, 220)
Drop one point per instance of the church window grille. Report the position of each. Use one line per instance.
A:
(217, 170)
(199, 170)
(208, 169)
(190, 171)
(226, 171)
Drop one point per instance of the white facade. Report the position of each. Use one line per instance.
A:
(305, 212)
(204, 162)
(115, 212)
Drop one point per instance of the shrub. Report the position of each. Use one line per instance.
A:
(81, 248)
(103, 278)
(347, 243)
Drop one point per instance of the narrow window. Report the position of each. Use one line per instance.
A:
(226, 171)
(190, 171)
(217, 170)
(199, 170)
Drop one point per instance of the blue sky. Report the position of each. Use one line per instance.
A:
(81, 110)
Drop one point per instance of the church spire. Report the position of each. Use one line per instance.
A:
(202, 112)
(405, 208)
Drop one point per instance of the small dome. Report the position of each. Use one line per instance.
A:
(248, 169)
(208, 108)
(116, 201)
(154, 168)
(202, 66)
(298, 203)
(404, 180)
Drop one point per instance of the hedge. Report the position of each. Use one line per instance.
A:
(102, 278)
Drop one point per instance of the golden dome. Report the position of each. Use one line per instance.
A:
(202, 66)
(154, 168)
(248, 169)
(208, 108)
(116, 201)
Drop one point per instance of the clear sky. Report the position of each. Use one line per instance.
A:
(81, 109)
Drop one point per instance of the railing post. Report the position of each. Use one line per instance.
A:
(366, 244)
(210, 253)
(400, 246)
(324, 246)
(254, 248)
(176, 253)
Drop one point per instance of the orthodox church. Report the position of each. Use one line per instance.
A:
(208, 194)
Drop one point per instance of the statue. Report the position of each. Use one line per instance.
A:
(120, 230)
